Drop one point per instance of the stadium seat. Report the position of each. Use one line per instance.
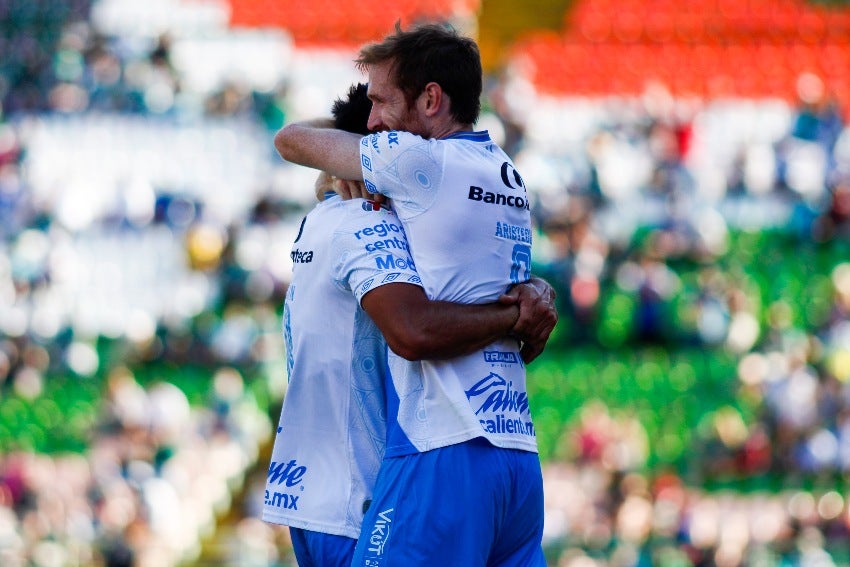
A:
(759, 46)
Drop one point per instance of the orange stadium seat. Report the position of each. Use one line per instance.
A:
(328, 23)
(747, 48)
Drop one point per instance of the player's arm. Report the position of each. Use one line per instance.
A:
(316, 144)
(417, 328)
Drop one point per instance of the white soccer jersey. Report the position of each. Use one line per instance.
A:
(331, 435)
(466, 214)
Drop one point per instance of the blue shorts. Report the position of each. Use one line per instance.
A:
(316, 549)
(469, 504)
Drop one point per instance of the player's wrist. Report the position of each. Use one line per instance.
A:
(513, 312)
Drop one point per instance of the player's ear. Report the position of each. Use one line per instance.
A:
(433, 97)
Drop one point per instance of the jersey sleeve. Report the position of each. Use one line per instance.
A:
(371, 251)
(402, 166)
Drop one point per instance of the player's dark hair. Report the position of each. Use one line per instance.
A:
(432, 53)
(352, 113)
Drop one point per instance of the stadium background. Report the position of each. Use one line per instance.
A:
(690, 168)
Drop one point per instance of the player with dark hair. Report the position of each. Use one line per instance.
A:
(332, 430)
(352, 113)
(461, 482)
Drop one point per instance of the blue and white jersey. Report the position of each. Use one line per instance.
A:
(466, 214)
(332, 430)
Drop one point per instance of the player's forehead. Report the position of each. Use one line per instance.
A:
(381, 83)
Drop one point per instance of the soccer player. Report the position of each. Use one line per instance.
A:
(332, 429)
(460, 483)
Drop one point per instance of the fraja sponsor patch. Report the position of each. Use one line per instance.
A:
(499, 356)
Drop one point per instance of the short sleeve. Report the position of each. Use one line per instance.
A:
(371, 250)
(402, 166)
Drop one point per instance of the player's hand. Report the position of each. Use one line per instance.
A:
(348, 189)
(529, 351)
(345, 188)
(537, 315)
(324, 183)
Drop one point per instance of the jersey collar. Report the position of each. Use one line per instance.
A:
(479, 136)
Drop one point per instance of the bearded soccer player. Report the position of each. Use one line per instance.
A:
(460, 483)
(332, 430)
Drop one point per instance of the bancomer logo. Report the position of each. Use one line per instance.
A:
(512, 180)
(479, 194)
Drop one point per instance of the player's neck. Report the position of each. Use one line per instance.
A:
(450, 129)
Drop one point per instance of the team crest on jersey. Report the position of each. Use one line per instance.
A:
(369, 205)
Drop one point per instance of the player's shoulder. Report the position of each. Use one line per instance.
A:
(394, 139)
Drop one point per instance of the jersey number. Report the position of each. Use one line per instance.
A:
(521, 263)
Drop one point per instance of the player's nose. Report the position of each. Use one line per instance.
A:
(375, 123)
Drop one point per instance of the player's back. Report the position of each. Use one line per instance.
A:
(331, 434)
(466, 213)
(465, 210)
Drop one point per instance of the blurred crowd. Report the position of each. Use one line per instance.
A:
(126, 471)
(751, 262)
(596, 517)
(138, 207)
(149, 487)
